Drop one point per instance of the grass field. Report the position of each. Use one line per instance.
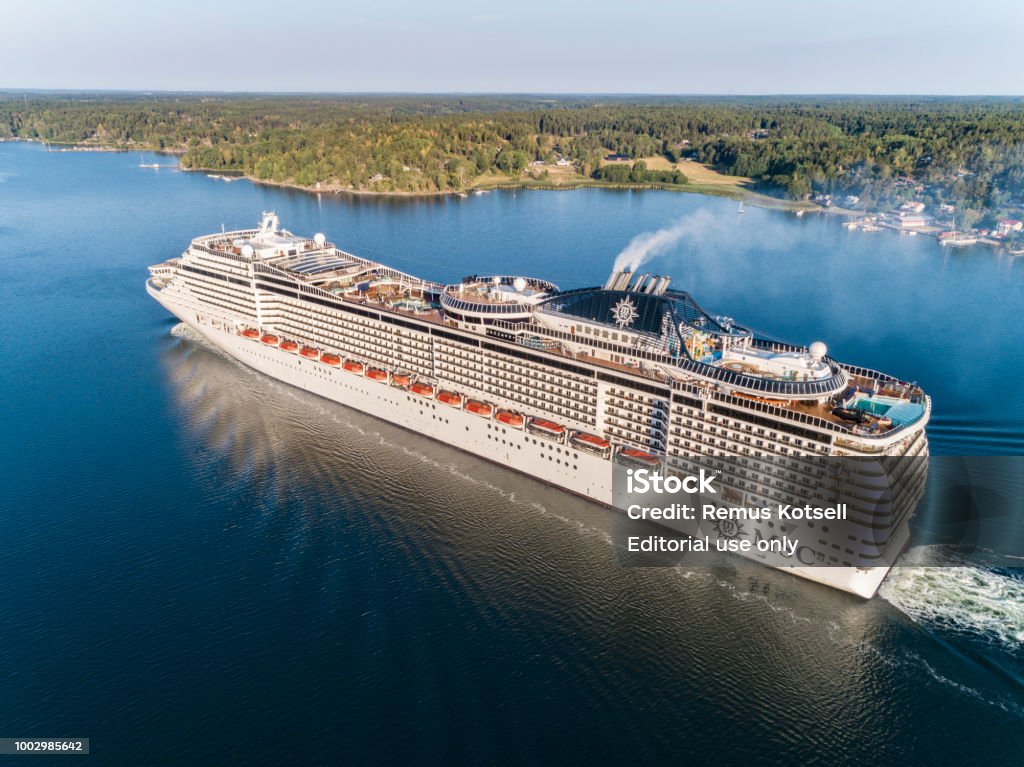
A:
(702, 179)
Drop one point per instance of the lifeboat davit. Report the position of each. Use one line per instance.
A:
(310, 352)
(591, 440)
(450, 398)
(509, 418)
(640, 456)
(479, 408)
(400, 379)
(354, 367)
(424, 390)
(547, 426)
(330, 359)
(289, 346)
(270, 339)
(251, 333)
(377, 374)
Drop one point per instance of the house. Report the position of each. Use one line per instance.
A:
(563, 162)
(851, 200)
(907, 220)
(913, 207)
(1008, 226)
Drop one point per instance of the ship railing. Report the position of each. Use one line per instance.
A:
(820, 388)
(450, 301)
(509, 279)
(816, 421)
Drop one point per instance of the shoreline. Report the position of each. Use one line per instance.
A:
(755, 199)
(748, 197)
(742, 195)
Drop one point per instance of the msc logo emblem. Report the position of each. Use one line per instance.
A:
(624, 312)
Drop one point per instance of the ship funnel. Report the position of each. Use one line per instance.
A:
(612, 279)
(652, 283)
(639, 281)
(621, 281)
(662, 286)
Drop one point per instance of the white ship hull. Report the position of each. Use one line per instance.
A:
(578, 472)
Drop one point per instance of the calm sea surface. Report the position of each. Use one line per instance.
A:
(201, 565)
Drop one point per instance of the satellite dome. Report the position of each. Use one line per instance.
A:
(818, 350)
(519, 284)
(496, 280)
(248, 251)
(319, 239)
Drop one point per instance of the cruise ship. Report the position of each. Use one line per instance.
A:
(568, 386)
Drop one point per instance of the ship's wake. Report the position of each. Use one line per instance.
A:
(975, 602)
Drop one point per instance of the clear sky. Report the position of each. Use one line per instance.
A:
(537, 46)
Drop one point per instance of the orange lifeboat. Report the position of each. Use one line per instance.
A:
(547, 427)
(400, 379)
(330, 359)
(639, 456)
(377, 374)
(591, 441)
(479, 408)
(354, 367)
(509, 418)
(424, 390)
(251, 333)
(270, 339)
(310, 352)
(289, 346)
(450, 398)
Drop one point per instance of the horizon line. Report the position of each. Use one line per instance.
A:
(474, 93)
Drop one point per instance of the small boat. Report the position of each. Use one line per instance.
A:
(547, 427)
(479, 408)
(509, 418)
(289, 346)
(251, 333)
(310, 352)
(424, 390)
(591, 441)
(639, 456)
(330, 359)
(377, 374)
(450, 398)
(354, 367)
(401, 380)
(270, 339)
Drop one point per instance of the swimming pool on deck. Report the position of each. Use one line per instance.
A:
(900, 411)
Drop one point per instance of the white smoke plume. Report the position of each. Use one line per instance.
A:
(649, 244)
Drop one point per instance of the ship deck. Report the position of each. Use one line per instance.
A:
(321, 265)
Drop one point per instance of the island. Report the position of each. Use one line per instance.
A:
(922, 164)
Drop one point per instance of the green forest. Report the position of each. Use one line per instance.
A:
(964, 151)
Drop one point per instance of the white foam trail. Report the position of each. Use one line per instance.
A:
(967, 600)
(649, 244)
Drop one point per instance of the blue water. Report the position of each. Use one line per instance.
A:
(200, 565)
